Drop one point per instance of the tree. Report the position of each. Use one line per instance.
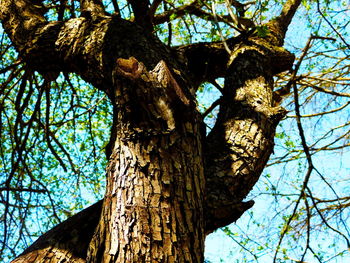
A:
(168, 183)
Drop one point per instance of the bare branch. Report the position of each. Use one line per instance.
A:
(328, 91)
(116, 7)
(321, 113)
(330, 24)
(92, 7)
(16, 189)
(210, 109)
(153, 8)
(279, 25)
(141, 11)
(228, 50)
(305, 148)
(194, 8)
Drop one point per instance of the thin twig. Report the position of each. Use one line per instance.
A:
(219, 29)
(212, 106)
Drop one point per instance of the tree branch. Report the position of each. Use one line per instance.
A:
(92, 8)
(194, 8)
(141, 10)
(279, 25)
(238, 147)
(176, 12)
(153, 7)
(20, 19)
(61, 42)
(70, 238)
(18, 189)
(207, 61)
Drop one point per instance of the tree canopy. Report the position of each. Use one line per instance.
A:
(56, 117)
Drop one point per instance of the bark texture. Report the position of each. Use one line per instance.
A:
(65, 242)
(153, 208)
(242, 139)
(168, 184)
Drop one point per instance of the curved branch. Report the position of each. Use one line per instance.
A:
(279, 25)
(207, 61)
(239, 145)
(104, 41)
(20, 20)
(92, 7)
(69, 239)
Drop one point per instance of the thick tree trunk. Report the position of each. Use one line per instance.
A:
(153, 210)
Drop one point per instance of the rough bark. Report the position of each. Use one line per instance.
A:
(67, 241)
(207, 61)
(241, 141)
(160, 158)
(153, 208)
(93, 8)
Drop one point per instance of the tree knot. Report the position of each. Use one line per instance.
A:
(129, 68)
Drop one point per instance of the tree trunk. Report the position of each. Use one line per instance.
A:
(153, 207)
(163, 170)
